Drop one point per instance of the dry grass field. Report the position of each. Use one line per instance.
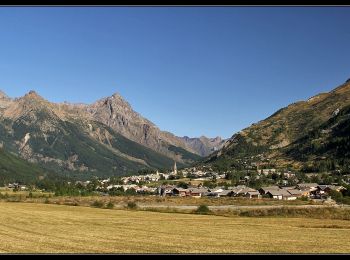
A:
(46, 228)
(24, 194)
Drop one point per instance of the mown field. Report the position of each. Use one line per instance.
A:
(46, 228)
(24, 194)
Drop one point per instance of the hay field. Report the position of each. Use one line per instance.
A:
(45, 228)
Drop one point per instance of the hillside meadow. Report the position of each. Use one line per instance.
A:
(46, 228)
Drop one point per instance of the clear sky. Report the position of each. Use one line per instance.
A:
(192, 71)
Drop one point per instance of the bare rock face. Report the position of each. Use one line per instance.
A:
(5, 101)
(204, 146)
(26, 105)
(118, 114)
(115, 112)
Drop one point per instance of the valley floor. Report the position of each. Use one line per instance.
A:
(47, 228)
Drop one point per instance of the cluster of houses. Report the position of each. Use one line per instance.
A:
(267, 172)
(189, 172)
(149, 178)
(202, 174)
(17, 186)
(197, 192)
(145, 178)
(136, 188)
(153, 177)
(309, 190)
(208, 174)
(205, 174)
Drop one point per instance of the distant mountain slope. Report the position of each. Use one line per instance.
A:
(204, 146)
(271, 141)
(69, 138)
(14, 169)
(326, 147)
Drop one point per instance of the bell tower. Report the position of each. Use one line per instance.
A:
(175, 169)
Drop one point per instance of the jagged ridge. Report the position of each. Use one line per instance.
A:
(107, 137)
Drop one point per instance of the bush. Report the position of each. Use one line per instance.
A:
(335, 195)
(131, 192)
(203, 209)
(47, 201)
(183, 185)
(344, 200)
(97, 204)
(303, 198)
(131, 205)
(209, 184)
(110, 205)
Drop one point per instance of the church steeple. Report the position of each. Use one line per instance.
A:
(175, 169)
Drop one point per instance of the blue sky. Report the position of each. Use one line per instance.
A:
(192, 71)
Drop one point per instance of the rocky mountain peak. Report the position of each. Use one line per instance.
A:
(112, 103)
(3, 95)
(203, 145)
(116, 98)
(33, 95)
(5, 101)
(117, 95)
(217, 139)
(207, 139)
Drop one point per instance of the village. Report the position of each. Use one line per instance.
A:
(302, 190)
(204, 182)
(200, 184)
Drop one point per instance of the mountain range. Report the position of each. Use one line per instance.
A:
(311, 135)
(104, 138)
(39, 138)
(204, 146)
